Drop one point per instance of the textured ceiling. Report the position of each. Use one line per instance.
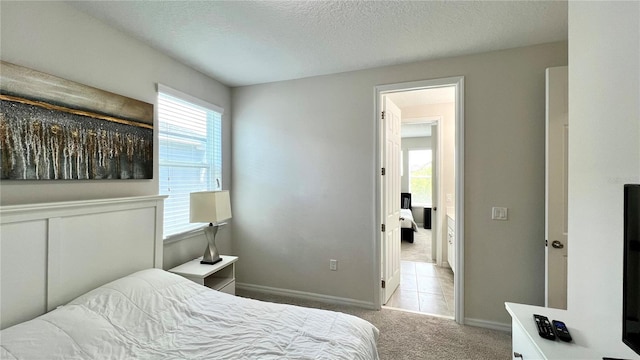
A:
(250, 42)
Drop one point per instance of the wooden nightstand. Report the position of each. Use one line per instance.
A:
(220, 276)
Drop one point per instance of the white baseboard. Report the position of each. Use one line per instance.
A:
(488, 324)
(306, 295)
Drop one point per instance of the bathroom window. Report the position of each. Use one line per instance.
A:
(420, 180)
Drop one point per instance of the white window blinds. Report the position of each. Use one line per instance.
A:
(190, 147)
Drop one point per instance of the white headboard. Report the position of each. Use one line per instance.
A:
(53, 252)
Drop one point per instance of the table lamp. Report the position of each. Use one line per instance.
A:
(210, 207)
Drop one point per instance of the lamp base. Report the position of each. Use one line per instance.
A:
(211, 262)
(211, 255)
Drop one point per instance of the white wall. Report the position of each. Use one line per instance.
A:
(304, 178)
(55, 38)
(604, 151)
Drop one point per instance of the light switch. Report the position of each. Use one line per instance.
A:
(499, 213)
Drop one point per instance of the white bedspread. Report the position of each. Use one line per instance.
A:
(153, 314)
(406, 219)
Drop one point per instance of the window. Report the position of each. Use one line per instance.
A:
(420, 171)
(190, 147)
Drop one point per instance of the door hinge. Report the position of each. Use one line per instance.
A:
(383, 115)
(383, 284)
(383, 171)
(383, 228)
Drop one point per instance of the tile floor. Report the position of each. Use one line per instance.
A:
(424, 287)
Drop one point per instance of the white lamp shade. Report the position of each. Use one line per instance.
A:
(209, 206)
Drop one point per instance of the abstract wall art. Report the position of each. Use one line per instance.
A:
(54, 129)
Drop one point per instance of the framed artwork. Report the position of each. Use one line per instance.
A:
(56, 129)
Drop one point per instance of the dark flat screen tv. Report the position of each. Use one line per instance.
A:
(631, 278)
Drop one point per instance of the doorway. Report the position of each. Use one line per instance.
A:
(431, 279)
(427, 286)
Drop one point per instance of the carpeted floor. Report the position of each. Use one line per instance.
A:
(405, 335)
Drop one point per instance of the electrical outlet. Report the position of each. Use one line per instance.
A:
(499, 213)
(333, 265)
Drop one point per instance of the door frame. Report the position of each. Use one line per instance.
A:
(458, 82)
(556, 197)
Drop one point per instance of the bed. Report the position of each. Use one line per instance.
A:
(408, 225)
(88, 299)
(154, 314)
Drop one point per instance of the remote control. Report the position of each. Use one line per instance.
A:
(561, 330)
(545, 329)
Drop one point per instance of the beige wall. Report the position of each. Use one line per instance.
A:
(304, 178)
(54, 38)
(604, 154)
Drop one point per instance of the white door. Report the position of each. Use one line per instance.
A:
(391, 123)
(557, 135)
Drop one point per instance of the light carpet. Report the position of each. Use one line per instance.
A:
(405, 335)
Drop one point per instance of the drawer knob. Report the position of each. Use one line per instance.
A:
(517, 355)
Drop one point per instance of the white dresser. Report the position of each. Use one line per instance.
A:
(590, 340)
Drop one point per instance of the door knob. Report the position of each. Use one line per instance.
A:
(557, 244)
